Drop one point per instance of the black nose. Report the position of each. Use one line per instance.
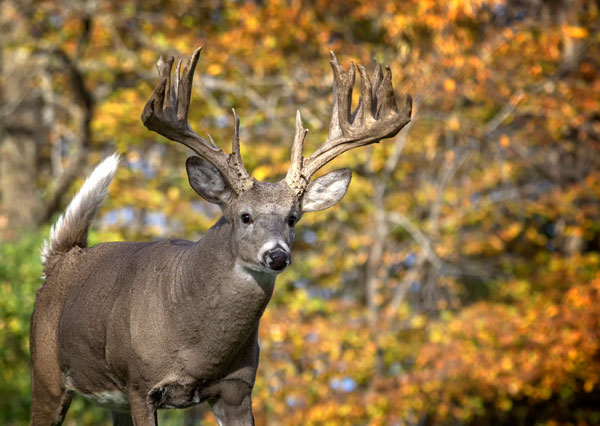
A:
(277, 259)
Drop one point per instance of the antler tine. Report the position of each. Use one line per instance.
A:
(344, 85)
(376, 117)
(166, 113)
(294, 175)
(334, 125)
(175, 90)
(377, 79)
(235, 160)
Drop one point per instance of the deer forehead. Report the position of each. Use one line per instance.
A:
(268, 198)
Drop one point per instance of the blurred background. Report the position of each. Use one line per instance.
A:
(458, 281)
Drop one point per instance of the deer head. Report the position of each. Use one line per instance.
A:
(264, 214)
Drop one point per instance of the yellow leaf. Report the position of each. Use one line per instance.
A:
(589, 384)
(576, 32)
(252, 23)
(449, 85)
(173, 193)
(214, 69)
(453, 123)
(261, 172)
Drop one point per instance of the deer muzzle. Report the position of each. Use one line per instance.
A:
(277, 258)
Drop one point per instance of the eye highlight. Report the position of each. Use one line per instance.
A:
(291, 220)
(246, 218)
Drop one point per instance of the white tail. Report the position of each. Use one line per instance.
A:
(71, 228)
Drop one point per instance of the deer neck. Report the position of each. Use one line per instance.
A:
(213, 274)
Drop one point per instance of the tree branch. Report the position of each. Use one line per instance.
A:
(82, 140)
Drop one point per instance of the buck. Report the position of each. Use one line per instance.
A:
(136, 327)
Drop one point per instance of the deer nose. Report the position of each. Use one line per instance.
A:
(277, 258)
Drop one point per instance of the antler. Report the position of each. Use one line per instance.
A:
(376, 117)
(166, 113)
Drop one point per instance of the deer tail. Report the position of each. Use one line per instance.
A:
(71, 228)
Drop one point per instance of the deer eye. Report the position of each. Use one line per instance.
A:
(246, 218)
(291, 221)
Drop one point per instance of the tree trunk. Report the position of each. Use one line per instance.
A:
(21, 134)
(379, 232)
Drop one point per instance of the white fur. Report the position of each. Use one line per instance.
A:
(115, 400)
(269, 245)
(326, 191)
(285, 246)
(83, 207)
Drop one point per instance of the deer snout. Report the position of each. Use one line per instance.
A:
(276, 258)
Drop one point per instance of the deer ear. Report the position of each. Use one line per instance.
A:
(207, 181)
(326, 191)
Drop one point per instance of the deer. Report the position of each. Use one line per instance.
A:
(139, 326)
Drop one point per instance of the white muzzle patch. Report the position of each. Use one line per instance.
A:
(270, 245)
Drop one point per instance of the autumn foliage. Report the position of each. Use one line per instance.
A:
(458, 282)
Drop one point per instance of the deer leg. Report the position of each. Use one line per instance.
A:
(233, 405)
(233, 415)
(143, 410)
(50, 399)
(49, 402)
(121, 419)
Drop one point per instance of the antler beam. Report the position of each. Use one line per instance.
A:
(166, 113)
(376, 117)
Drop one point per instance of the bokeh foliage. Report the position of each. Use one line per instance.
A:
(458, 280)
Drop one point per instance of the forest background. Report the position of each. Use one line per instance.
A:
(458, 281)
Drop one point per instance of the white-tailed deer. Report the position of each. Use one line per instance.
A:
(136, 327)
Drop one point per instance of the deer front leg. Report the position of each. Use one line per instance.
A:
(232, 401)
(233, 407)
